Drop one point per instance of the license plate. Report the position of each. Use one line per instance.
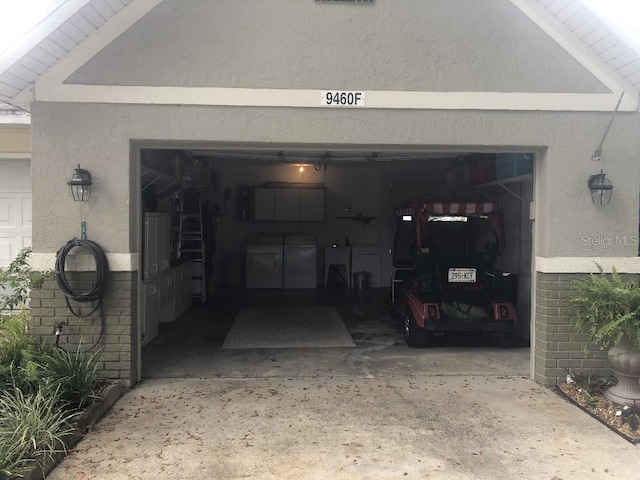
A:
(462, 275)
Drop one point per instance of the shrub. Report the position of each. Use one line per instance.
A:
(14, 337)
(32, 427)
(590, 382)
(607, 308)
(17, 351)
(631, 415)
(17, 280)
(75, 373)
(10, 464)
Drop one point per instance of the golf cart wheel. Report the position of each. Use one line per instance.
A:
(414, 335)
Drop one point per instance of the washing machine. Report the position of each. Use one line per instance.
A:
(264, 261)
(300, 261)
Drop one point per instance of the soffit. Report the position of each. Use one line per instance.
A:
(597, 36)
(53, 43)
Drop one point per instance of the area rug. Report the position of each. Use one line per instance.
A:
(288, 327)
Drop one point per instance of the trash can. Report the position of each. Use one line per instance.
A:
(360, 281)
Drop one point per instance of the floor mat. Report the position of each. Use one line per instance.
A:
(288, 327)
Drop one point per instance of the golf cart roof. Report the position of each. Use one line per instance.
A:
(421, 210)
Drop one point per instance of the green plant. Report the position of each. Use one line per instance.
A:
(17, 280)
(607, 308)
(588, 382)
(76, 373)
(10, 464)
(32, 427)
(588, 398)
(14, 337)
(17, 350)
(631, 415)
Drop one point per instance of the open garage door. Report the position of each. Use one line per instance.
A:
(332, 211)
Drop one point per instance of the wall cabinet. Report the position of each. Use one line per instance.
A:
(166, 298)
(286, 204)
(150, 310)
(264, 204)
(182, 289)
(166, 292)
(157, 244)
(289, 204)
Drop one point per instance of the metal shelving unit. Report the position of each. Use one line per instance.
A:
(167, 185)
(502, 183)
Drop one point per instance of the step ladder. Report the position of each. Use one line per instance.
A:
(191, 244)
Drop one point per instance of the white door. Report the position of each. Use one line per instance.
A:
(15, 207)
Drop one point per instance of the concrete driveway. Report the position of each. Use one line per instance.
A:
(436, 427)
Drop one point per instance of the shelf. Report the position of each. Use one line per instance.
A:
(504, 181)
(167, 185)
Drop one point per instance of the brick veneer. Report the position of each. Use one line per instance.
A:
(558, 348)
(119, 341)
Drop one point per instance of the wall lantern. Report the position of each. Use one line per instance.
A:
(80, 185)
(601, 188)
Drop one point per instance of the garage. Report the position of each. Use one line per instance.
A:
(286, 227)
(242, 130)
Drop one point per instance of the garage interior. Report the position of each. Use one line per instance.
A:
(230, 229)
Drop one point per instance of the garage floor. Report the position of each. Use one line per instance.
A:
(191, 347)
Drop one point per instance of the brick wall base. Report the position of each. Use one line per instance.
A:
(118, 342)
(558, 348)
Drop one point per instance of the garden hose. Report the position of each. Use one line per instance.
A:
(96, 293)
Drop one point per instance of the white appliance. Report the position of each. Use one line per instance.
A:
(300, 261)
(264, 261)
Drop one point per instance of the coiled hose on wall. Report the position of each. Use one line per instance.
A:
(96, 293)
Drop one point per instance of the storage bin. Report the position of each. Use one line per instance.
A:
(513, 164)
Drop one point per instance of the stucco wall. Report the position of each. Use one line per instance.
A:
(98, 137)
(439, 45)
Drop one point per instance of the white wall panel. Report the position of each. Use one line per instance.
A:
(15, 208)
(7, 250)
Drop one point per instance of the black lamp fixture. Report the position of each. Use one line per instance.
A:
(601, 188)
(80, 185)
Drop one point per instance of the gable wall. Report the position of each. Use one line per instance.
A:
(412, 45)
